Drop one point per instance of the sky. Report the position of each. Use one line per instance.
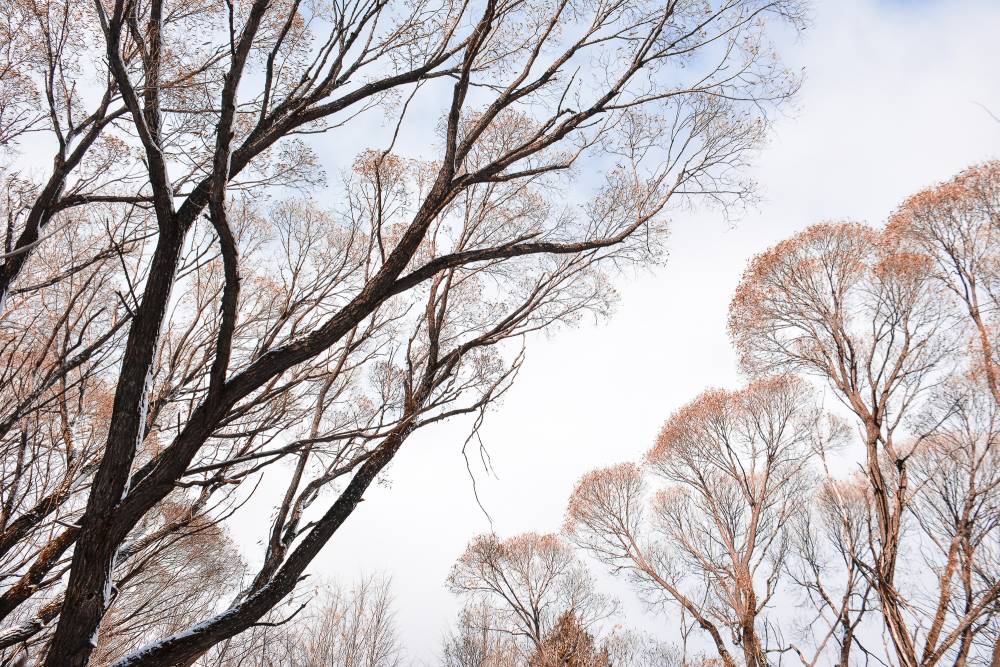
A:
(891, 104)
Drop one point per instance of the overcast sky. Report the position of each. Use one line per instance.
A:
(889, 106)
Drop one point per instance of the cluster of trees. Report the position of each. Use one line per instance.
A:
(531, 601)
(780, 530)
(194, 317)
(353, 627)
(882, 515)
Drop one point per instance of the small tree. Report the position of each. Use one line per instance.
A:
(568, 644)
(529, 582)
(481, 639)
(830, 556)
(353, 627)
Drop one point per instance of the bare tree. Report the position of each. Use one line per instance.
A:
(830, 554)
(480, 640)
(354, 628)
(635, 649)
(569, 644)
(852, 306)
(957, 224)
(736, 464)
(167, 584)
(334, 625)
(956, 509)
(185, 321)
(529, 581)
(826, 302)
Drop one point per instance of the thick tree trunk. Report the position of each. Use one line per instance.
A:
(90, 586)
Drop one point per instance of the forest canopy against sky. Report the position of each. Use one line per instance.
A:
(317, 310)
